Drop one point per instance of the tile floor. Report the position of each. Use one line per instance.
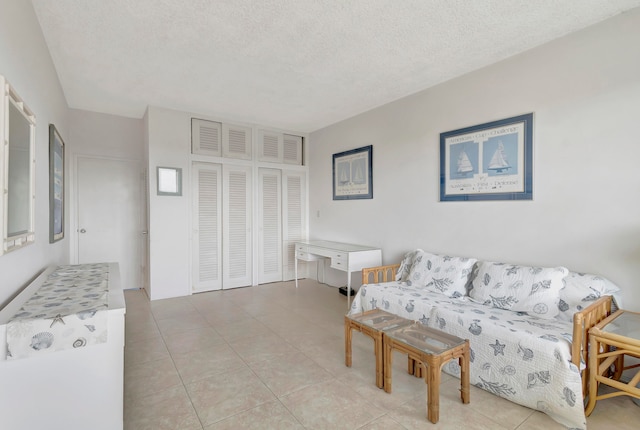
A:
(272, 357)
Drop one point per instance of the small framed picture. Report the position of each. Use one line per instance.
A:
(352, 174)
(56, 185)
(169, 181)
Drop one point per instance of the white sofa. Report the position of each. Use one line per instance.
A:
(526, 325)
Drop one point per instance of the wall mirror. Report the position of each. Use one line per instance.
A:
(17, 175)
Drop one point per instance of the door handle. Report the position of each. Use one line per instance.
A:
(82, 230)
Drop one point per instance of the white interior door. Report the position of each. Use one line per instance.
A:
(109, 215)
(237, 209)
(270, 224)
(207, 222)
(294, 218)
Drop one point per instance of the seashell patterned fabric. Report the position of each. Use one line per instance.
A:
(517, 356)
(68, 311)
(441, 273)
(534, 290)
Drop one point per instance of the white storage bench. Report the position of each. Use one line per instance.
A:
(73, 379)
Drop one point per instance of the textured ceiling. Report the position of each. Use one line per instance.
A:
(294, 64)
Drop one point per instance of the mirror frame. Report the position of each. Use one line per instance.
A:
(10, 97)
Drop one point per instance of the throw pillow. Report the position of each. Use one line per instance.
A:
(441, 273)
(534, 290)
(405, 265)
(582, 289)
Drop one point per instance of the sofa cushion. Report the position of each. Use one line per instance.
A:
(444, 274)
(405, 265)
(533, 290)
(582, 289)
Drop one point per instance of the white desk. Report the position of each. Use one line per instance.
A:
(344, 256)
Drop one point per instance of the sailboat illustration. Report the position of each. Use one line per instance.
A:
(464, 164)
(499, 160)
(344, 179)
(358, 175)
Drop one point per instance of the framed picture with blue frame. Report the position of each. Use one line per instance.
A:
(352, 174)
(491, 161)
(56, 185)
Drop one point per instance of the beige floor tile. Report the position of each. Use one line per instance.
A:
(619, 410)
(384, 423)
(228, 315)
(206, 362)
(405, 387)
(172, 308)
(270, 415)
(134, 332)
(293, 342)
(290, 373)
(167, 409)
(329, 355)
(242, 330)
(182, 323)
(147, 378)
(224, 395)
(454, 415)
(507, 413)
(330, 405)
(145, 350)
(538, 420)
(262, 348)
(192, 340)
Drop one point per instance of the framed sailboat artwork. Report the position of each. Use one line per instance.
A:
(352, 174)
(491, 161)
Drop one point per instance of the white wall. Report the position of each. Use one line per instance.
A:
(169, 137)
(584, 90)
(104, 135)
(26, 64)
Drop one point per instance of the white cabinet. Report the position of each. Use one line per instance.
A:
(77, 388)
(234, 192)
(270, 239)
(275, 147)
(282, 222)
(236, 141)
(206, 137)
(222, 226)
(294, 218)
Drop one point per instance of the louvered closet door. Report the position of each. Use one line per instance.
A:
(294, 225)
(237, 226)
(207, 238)
(270, 224)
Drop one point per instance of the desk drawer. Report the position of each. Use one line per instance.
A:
(305, 256)
(340, 263)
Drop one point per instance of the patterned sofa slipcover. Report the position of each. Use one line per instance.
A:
(518, 320)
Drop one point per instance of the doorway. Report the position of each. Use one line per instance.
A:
(109, 216)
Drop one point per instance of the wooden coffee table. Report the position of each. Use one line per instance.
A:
(372, 323)
(429, 348)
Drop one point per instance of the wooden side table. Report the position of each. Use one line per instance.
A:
(372, 323)
(609, 341)
(432, 349)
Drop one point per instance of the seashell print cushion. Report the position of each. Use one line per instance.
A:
(405, 265)
(534, 290)
(441, 273)
(582, 289)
